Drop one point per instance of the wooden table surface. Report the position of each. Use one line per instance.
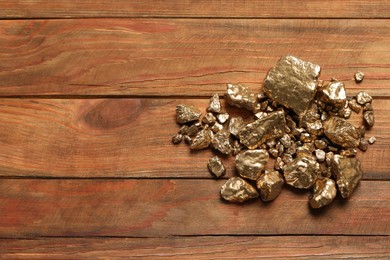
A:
(88, 91)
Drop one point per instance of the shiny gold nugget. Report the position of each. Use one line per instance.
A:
(187, 113)
(302, 172)
(251, 163)
(324, 193)
(347, 173)
(237, 189)
(270, 185)
(292, 83)
(258, 132)
(216, 167)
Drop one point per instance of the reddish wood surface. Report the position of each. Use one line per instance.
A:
(183, 57)
(94, 99)
(126, 138)
(202, 8)
(160, 208)
(323, 247)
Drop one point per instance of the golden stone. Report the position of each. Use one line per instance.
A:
(215, 104)
(270, 185)
(347, 173)
(250, 163)
(269, 127)
(340, 132)
(324, 193)
(237, 189)
(216, 167)
(302, 172)
(292, 83)
(333, 93)
(202, 140)
(240, 96)
(359, 76)
(221, 142)
(186, 113)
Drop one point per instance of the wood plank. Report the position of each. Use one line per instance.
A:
(204, 247)
(156, 208)
(126, 138)
(202, 8)
(183, 57)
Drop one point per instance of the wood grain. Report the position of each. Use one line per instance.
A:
(203, 247)
(183, 57)
(202, 8)
(126, 138)
(160, 208)
(87, 169)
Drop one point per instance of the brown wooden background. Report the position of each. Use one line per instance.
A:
(88, 92)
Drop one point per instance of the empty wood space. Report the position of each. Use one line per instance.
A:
(155, 208)
(88, 91)
(199, 247)
(200, 9)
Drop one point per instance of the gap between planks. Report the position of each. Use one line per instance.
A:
(192, 236)
(190, 18)
(134, 97)
(43, 177)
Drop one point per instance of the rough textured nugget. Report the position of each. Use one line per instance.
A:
(292, 83)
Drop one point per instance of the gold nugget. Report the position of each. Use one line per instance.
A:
(216, 166)
(292, 83)
(302, 172)
(221, 142)
(324, 193)
(333, 93)
(250, 163)
(202, 140)
(240, 96)
(340, 132)
(270, 185)
(258, 132)
(187, 113)
(347, 173)
(237, 189)
(215, 104)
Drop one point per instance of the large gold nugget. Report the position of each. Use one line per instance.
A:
(270, 185)
(302, 172)
(340, 132)
(269, 127)
(347, 173)
(292, 83)
(238, 190)
(187, 113)
(240, 96)
(250, 163)
(324, 193)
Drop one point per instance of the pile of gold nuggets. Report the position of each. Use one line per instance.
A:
(299, 120)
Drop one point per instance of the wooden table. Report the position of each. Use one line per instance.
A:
(88, 94)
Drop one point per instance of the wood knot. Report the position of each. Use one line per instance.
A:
(113, 113)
